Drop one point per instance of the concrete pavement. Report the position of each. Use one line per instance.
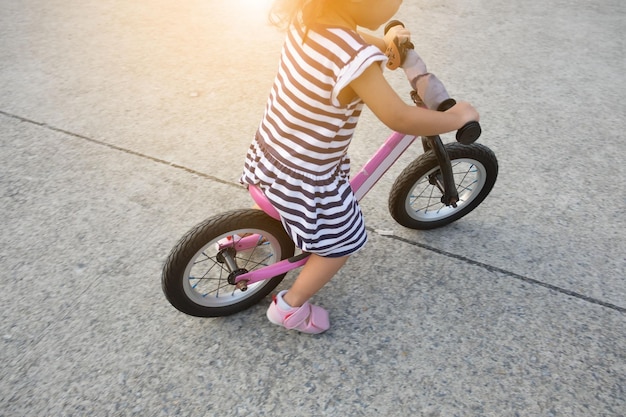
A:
(122, 124)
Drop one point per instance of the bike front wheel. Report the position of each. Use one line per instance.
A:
(195, 275)
(415, 199)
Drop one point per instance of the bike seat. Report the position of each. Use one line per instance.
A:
(261, 200)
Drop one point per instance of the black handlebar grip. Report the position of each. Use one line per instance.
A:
(446, 104)
(469, 133)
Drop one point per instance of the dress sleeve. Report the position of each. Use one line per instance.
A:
(354, 68)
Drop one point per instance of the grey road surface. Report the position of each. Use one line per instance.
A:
(124, 123)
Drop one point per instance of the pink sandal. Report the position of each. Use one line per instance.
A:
(306, 319)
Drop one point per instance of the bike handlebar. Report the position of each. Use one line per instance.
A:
(427, 86)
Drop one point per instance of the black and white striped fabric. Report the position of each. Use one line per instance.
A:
(299, 153)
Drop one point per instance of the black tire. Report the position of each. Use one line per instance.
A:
(195, 281)
(415, 203)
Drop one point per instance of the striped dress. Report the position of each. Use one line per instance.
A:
(299, 153)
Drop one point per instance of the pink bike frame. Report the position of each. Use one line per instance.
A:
(361, 183)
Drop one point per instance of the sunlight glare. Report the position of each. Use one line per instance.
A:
(257, 7)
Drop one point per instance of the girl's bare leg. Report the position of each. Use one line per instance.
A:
(315, 274)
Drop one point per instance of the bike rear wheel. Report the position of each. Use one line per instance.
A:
(415, 199)
(195, 275)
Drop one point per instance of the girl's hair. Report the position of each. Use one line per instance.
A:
(284, 12)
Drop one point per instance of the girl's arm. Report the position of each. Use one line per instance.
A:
(374, 40)
(375, 91)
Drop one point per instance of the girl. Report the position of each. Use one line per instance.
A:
(298, 157)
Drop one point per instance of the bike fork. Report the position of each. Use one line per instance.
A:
(444, 179)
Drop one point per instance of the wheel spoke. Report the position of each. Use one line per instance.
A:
(256, 264)
(416, 199)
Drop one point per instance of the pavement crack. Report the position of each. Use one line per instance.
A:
(510, 274)
(120, 149)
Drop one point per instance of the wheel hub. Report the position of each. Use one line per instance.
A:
(227, 257)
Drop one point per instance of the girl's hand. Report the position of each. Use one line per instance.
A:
(465, 112)
(395, 39)
(402, 33)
